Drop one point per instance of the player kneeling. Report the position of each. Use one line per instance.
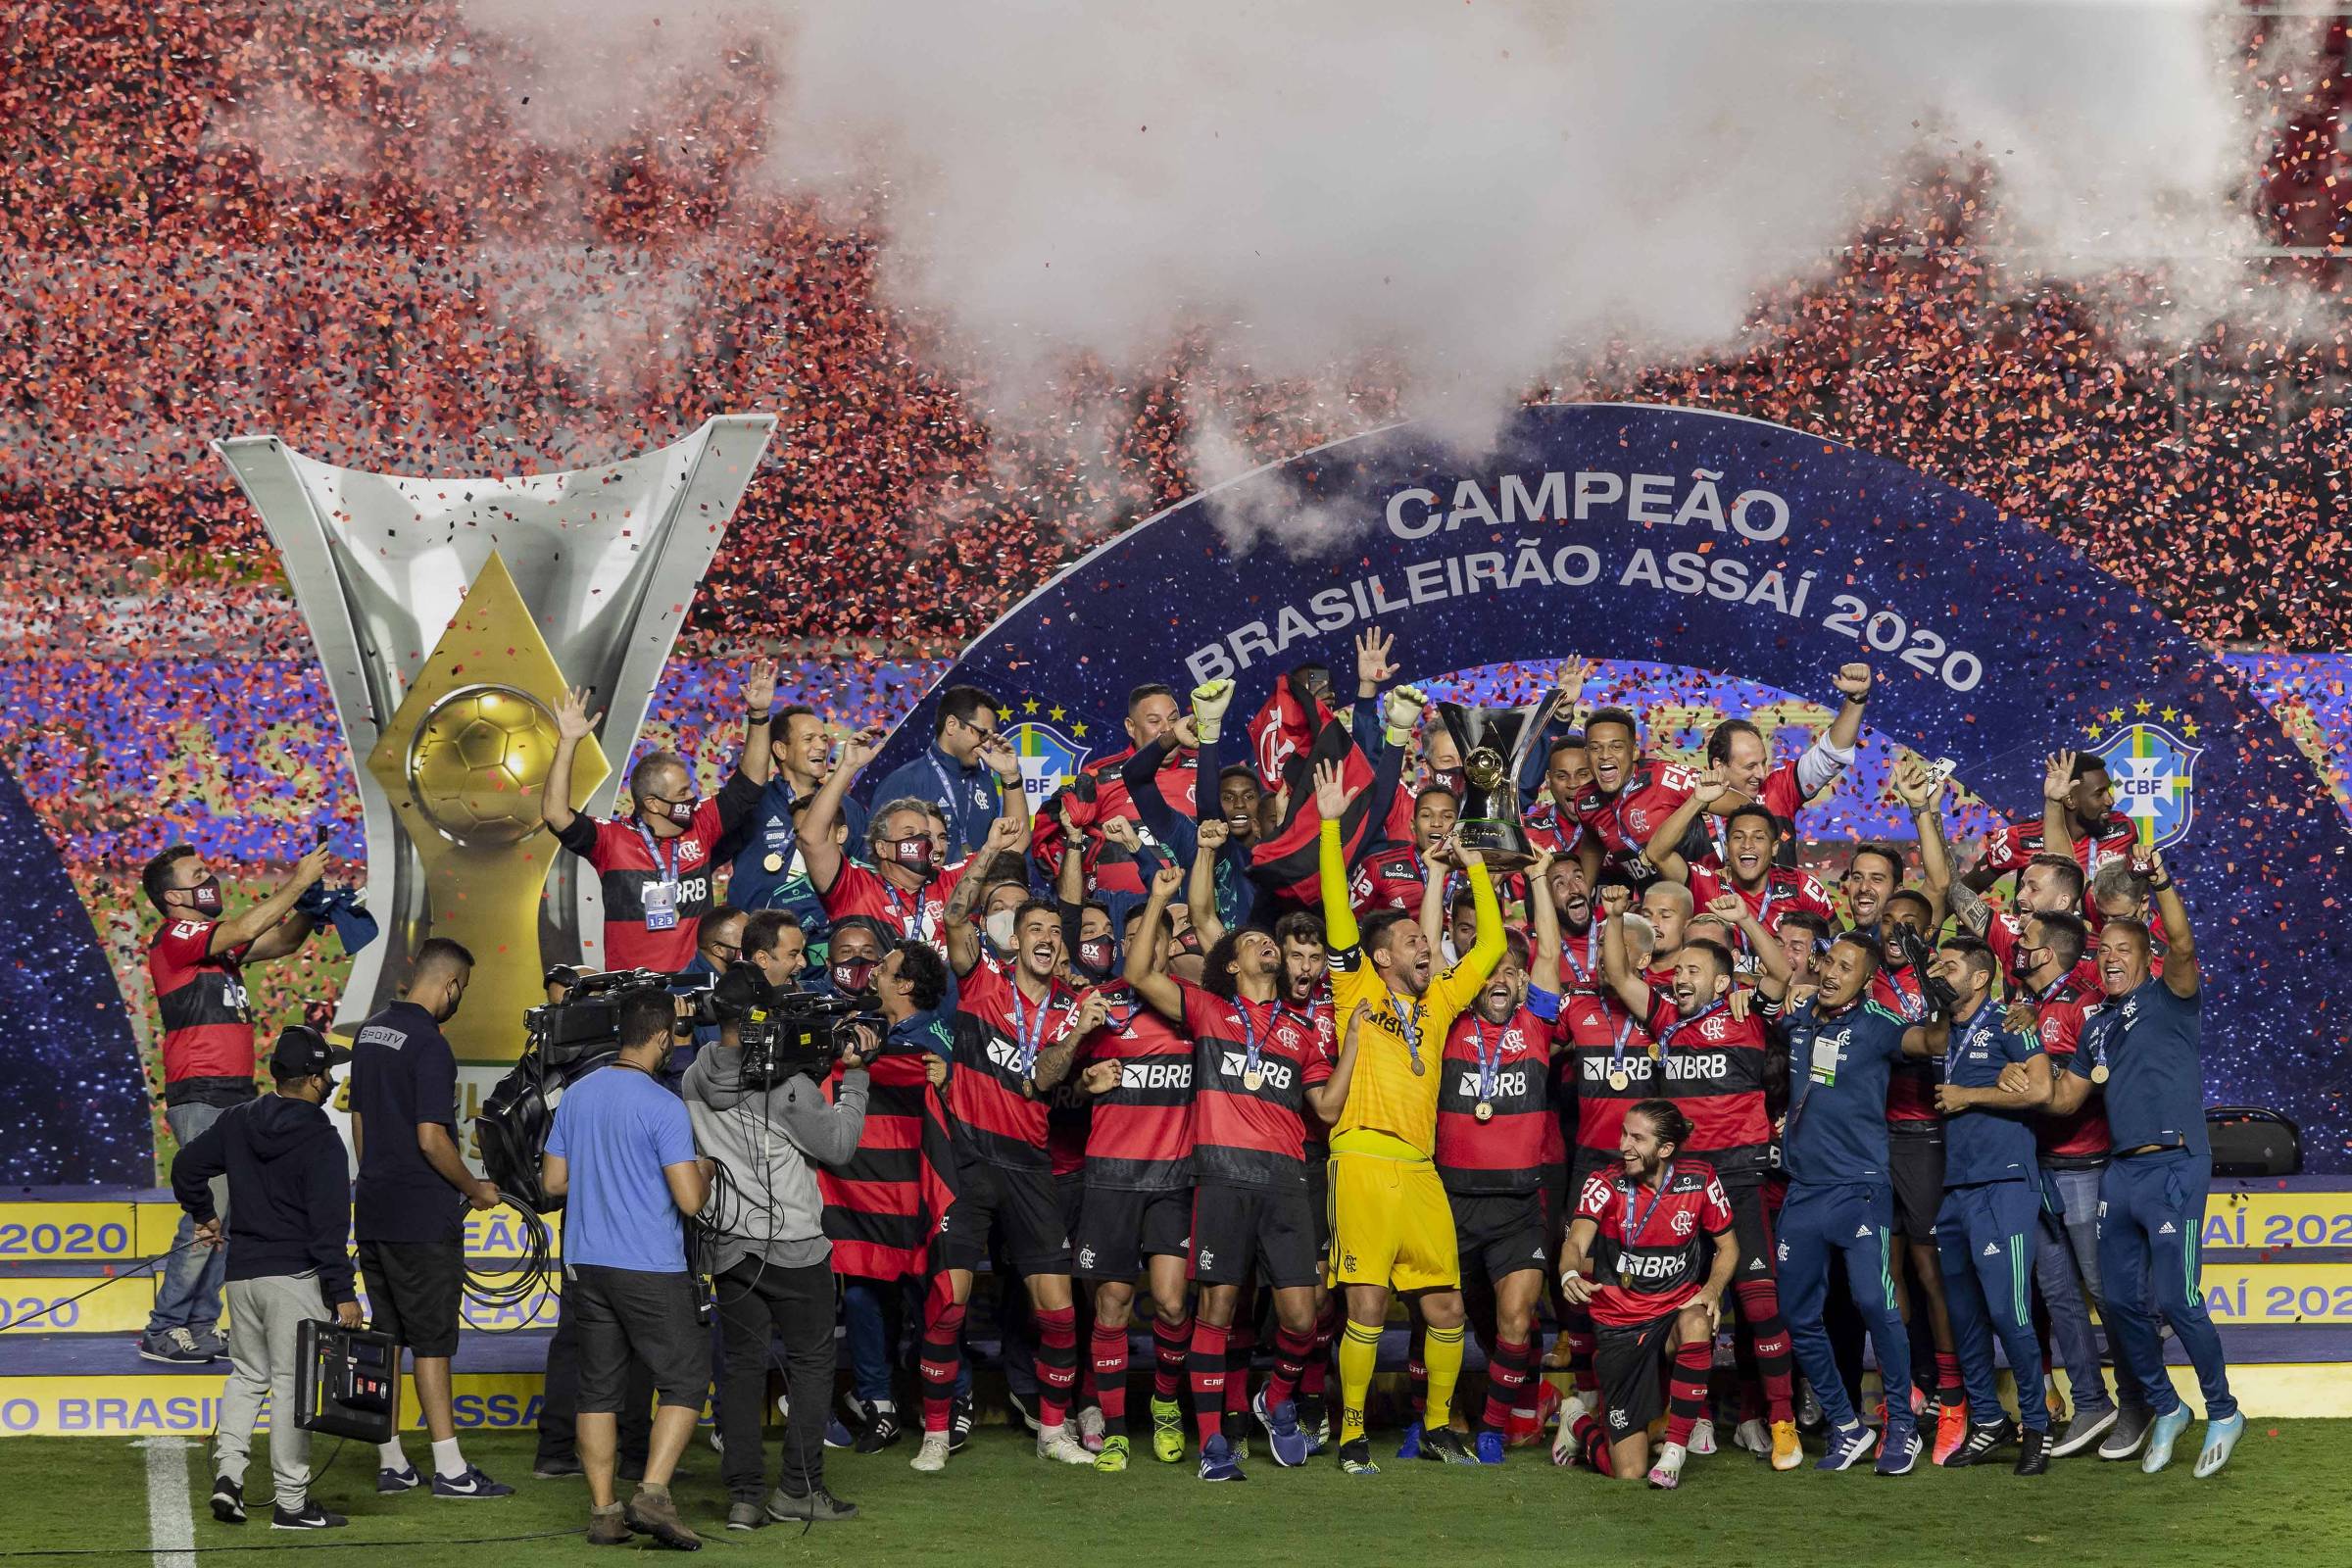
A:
(1653, 1219)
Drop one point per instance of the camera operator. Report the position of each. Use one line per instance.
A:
(769, 1263)
(621, 1150)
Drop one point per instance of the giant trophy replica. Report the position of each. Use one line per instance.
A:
(449, 614)
(1495, 743)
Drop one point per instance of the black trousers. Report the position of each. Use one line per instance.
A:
(758, 1301)
(560, 1406)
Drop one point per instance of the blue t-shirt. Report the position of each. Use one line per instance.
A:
(618, 1128)
(1838, 1064)
(1986, 1146)
(403, 1073)
(2148, 1041)
(964, 793)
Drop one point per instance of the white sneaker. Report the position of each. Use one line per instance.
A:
(1574, 1409)
(933, 1456)
(1090, 1428)
(1667, 1473)
(1754, 1437)
(1058, 1443)
(1702, 1434)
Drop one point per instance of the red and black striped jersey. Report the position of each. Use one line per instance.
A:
(1784, 892)
(873, 1200)
(1394, 878)
(1624, 821)
(1715, 1075)
(1507, 1069)
(1604, 1039)
(1654, 1245)
(2082, 1139)
(909, 915)
(2011, 847)
(1141, 1139)
(627, 868)
(999, 1121)
(2007, 929)
(1910, 1082)
(208, 1022)
(1243, 1134)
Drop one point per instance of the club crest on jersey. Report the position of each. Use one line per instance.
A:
(2154, 773)
(1050, 758)
(1684, 1222)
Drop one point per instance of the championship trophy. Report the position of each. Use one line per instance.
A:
(1495, 743)
(449, 614)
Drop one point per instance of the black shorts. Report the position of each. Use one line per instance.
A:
(1500, 1233)
(627, 1314)
(1236, 1227)
(1751, 1226)
(1117, 1230)
(1070, 1187)
(1022, 1208)
(412, 1293)
(1630, 1366)
(1915, 1162)
(1319, 1195)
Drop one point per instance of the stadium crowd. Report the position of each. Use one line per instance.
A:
(1259, 1073)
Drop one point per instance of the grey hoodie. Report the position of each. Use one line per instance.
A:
(764, 1144)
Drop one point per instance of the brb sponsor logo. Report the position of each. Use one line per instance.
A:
(1650, 1265)
(1278, 1074)
(1156, 1075)
(1508, 1085)
(1682, 1066)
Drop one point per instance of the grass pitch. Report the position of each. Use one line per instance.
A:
(2281, 1505)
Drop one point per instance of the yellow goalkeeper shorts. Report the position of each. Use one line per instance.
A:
(1391, 1225)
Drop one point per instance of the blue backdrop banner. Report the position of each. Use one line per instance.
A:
(1727, 545)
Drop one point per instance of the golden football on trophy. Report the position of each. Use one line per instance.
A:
(476, 763)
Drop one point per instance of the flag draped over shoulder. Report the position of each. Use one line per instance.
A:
(884, 1205)
(1291, 735)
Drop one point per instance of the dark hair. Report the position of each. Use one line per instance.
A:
(963, 703)
(1573, 741)
(763, 930)
(1725, 964)
(1461, 895)
(717, 912)
(1665, 1118)
(1217, 977)
(1860, 944)
(1241, 770)
(645, 1017)
(925, 973)
(1303, 925)
(781, 720)
(1614, 715)
(1756, 809)
(1883, 851)
(1373, 933)
(2137, 930)
(435, 954)
(1807, 920)
(155, 877)
(1517, 949)
(1426, 790)
(645, 767)
(282, 1078)
(884, 938)
(2087, 763)
(2070, 875)
(1148, 690)
(2066, 934)
(1719, 740)
(1029, 906)
(1914, 895)
(1975, 950)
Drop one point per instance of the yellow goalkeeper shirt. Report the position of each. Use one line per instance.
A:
(1392, 1107)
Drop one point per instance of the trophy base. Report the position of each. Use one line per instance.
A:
(1501, 845)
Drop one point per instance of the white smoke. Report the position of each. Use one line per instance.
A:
(1466, 189)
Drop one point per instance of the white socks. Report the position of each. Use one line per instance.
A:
(389, 1456)
(446, 1460)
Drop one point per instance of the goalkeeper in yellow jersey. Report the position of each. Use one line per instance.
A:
(1392, 1228)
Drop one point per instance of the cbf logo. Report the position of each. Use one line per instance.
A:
(1050, 758)
(2153, 771)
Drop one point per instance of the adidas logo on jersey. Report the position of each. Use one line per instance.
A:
(1861, 1233)
(1991, 1250)
(2166, 1229)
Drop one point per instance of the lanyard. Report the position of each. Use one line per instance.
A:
(951, 800)
(664, 860)
(1913, 1003)
(910, 924)
(1771, 890)
(1959, 1042)
(1421, 876)
(1489, 1068)
(1676, 1033)
(1409, 1022)
(1625, 1032)
(1583, 971)
(1635, 1228)
(1250, 1049)
(1029, 1040)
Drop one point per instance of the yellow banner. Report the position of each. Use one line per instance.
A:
(2269, 1219)
(71, 1232)
(2279, 1295)
(44, 1304)
(139, 1404)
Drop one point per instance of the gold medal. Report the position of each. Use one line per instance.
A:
(1253, 1080)
(2099, 1072)
(1619, 1078)
(1419, 1066)
(1624, 1278)
(1484, 1111)
(774, 864)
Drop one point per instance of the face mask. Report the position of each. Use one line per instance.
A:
(1097, 956)
(1000, 930)
(1452, 780)
(853, 977)
(915, 854)
(1188, 945)
(679, 812)
(206, 895)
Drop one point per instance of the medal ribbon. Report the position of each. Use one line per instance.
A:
(1029, 1040)
(1250, 1048)
(1635, 1228)
(664, 860)
(1489, 1068)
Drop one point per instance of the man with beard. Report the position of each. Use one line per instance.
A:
(2143, 1046)
(1571, 894)
(409, 1205)
(1016, 1037)
(2047, 883)
(1749, 865)
(1717, 1060)
(1739, 751)
(1631, 797)
(1496, 1139)
(770, 870)
(2080, 823)
(904, 890)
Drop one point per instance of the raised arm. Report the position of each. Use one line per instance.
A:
(1615, 966)
(1544, 947)
(1330, 1097)
(1663, 849)
(1432, 913)
(1332, 799)
(1201, 886)
(2057, 831)
(1916, 785)
(818, 852)
(1156, 986)
(1460, 986)
(2181, 976)
(759, 702)
(268, 915)
(573, 725)
(1771, 960)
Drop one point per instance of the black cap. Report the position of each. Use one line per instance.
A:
(302, 1051)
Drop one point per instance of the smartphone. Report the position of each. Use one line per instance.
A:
(326, 831)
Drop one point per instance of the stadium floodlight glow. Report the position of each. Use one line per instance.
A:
(449, 615)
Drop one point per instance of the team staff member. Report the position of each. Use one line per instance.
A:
(622, 1152)
(1841, 1048)
(410, 1202)
(1661, 1312)
(770, 1265)
(1496, 1139)
(290, 1208)
(1991, 1203)
(770, 870)
(656, 868)
(1392, 1226)
(195, 966)
(905, 890)
(2143, 1048)
(967, 772)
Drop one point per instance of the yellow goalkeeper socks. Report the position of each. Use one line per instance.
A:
(1442, 1355)
(1359, 1355)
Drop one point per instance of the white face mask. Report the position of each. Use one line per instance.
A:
(1000, 930)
